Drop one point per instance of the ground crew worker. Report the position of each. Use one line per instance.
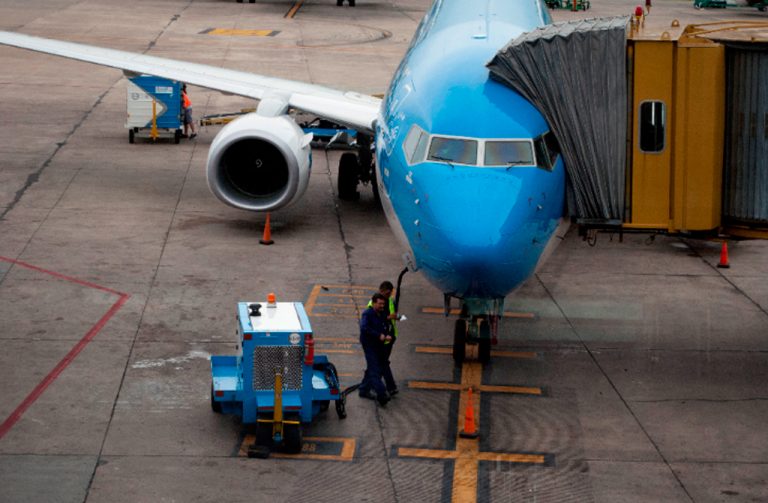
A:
(374, 332)
(186, 105)
(385, 289)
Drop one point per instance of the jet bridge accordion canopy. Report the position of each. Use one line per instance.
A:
(575, 74)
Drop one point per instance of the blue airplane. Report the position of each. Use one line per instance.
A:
(467, 172)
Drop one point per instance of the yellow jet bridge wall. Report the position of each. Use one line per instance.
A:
(679, 187)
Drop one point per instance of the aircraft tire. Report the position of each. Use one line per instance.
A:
(375, 186)
(131, 136)
(351, 3)
(459, 341)
(484, 351)
(348, 177)
(339, 3)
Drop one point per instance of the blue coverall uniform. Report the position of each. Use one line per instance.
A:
(386, 350)
(372, 325)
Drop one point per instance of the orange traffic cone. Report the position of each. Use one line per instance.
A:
(724, 256)
(470, 430)
(267, 238)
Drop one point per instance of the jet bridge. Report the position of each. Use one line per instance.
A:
(661, 130)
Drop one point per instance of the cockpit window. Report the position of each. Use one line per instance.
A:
(508, 153)
(415, 145)
(547, 150)
(451, 150)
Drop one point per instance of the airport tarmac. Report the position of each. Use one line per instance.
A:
(627, 371)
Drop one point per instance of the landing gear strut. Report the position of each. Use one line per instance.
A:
(357, 168)
(472, 338)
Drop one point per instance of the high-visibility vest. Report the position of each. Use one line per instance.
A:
(187, 101)
(391, 311)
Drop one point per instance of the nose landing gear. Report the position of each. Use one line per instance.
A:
(472, 339)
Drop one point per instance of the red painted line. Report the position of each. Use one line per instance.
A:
(11, 420)
(60, 276)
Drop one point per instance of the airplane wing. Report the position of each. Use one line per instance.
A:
(355, 110)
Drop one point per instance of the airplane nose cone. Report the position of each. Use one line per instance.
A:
(482, 231)
(477, 215)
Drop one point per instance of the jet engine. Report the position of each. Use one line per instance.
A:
(260, 163)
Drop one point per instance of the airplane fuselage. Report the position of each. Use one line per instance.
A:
(472, 206)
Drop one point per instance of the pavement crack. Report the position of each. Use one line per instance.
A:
(615, 388)
(33, 178)
(152, 282)
(705, 400)
(726, 278)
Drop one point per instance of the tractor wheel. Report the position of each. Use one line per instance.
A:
(177, 136)
(215, 406)
(264, 434)
(459, 340)
(292, 438)
(325, 405)
(348, 176)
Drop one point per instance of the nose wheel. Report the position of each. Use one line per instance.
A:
(472, 340)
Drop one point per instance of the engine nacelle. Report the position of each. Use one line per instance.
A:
(260, 163)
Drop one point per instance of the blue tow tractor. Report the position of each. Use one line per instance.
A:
(277, 381)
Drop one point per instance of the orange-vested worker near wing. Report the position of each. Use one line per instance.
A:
(187, 106)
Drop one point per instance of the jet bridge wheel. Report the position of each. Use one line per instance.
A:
(459, 341)
(349, 174)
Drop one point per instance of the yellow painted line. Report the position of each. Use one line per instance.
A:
(445, 386)
(347, 449)
(434, 350)
(227, 32)
(327, 340)
(311, 300)
(518, 390)
(339, 351)
(455, 311)
(347, 295)
(294, 9)
(439, 350)
(503, 457)
(408, 452)
(350, 305)
(524, 355)
(350, 287)
(333, 315)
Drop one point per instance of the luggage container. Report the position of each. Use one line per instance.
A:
(154, 108)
